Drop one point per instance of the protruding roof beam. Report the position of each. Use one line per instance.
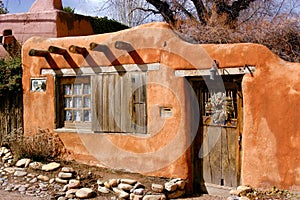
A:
(131, 51)
(39, 53)
(64, 53)
(110, 56)
(46, 55)
(57, 50)
(84, 52)
(79, 50)
(107, 52)
(124, 46)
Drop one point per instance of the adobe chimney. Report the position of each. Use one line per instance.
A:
(46, 5)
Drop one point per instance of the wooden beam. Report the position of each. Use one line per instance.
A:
(98, 47)
(109, 54)
(78, 50)
(57, 50)
(123, 46)
(64, 53)
(39, 53)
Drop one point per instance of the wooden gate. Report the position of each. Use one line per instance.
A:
(217, 149)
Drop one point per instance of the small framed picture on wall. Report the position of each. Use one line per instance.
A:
(38, 84)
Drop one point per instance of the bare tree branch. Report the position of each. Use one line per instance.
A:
(185, 11)
(279, 8)
(145, 10)
(201, 11)
(164, 8)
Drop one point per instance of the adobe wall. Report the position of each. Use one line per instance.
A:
(270, 151)
(48, 24)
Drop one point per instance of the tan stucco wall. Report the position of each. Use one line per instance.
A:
(270, 129)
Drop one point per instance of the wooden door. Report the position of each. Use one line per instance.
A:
(220, 133)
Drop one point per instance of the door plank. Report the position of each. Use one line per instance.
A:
(97, 113)
(228, 153)
(117, 106)
(126, 108)
(211, 162)
(105, 104)
(111, 102)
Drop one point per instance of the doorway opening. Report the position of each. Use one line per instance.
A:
(216, 151)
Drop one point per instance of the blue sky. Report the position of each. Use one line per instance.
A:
(81, 6)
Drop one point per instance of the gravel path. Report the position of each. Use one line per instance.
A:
(4, 195)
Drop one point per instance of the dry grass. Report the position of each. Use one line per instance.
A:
(42, 146)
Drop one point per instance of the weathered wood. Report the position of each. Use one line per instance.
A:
(118, 105)
(139, 102)
(39, 53)
(57, 50)
(123, 46)
(111, 103)
(222, 164)
(105, 104)
(211, 162)
(97, 117)
(135, 101)
(239, 135)
(228, 153)
(79, 50)
(128, 102)
(11, 115)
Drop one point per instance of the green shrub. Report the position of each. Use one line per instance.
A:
(104, 25)
(68, 9)
(10, 75)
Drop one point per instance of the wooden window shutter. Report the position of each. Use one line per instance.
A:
(119, 103)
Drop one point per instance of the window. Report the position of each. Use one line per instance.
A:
(220, 101)
(75, 101)
(104, 103)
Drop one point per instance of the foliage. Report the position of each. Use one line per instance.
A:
(10, 75)
(41, 146)
(3, 10)
(104, 25)
(68, 9)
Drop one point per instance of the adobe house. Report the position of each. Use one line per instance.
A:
(45, 18)
(144, 100)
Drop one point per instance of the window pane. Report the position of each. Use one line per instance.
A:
(77, 89)
(87, 102)
(68, 89)
(87, 116)
(68, 102)
(77, 115)
(68, 115)
(77, 102)
(86, 89)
